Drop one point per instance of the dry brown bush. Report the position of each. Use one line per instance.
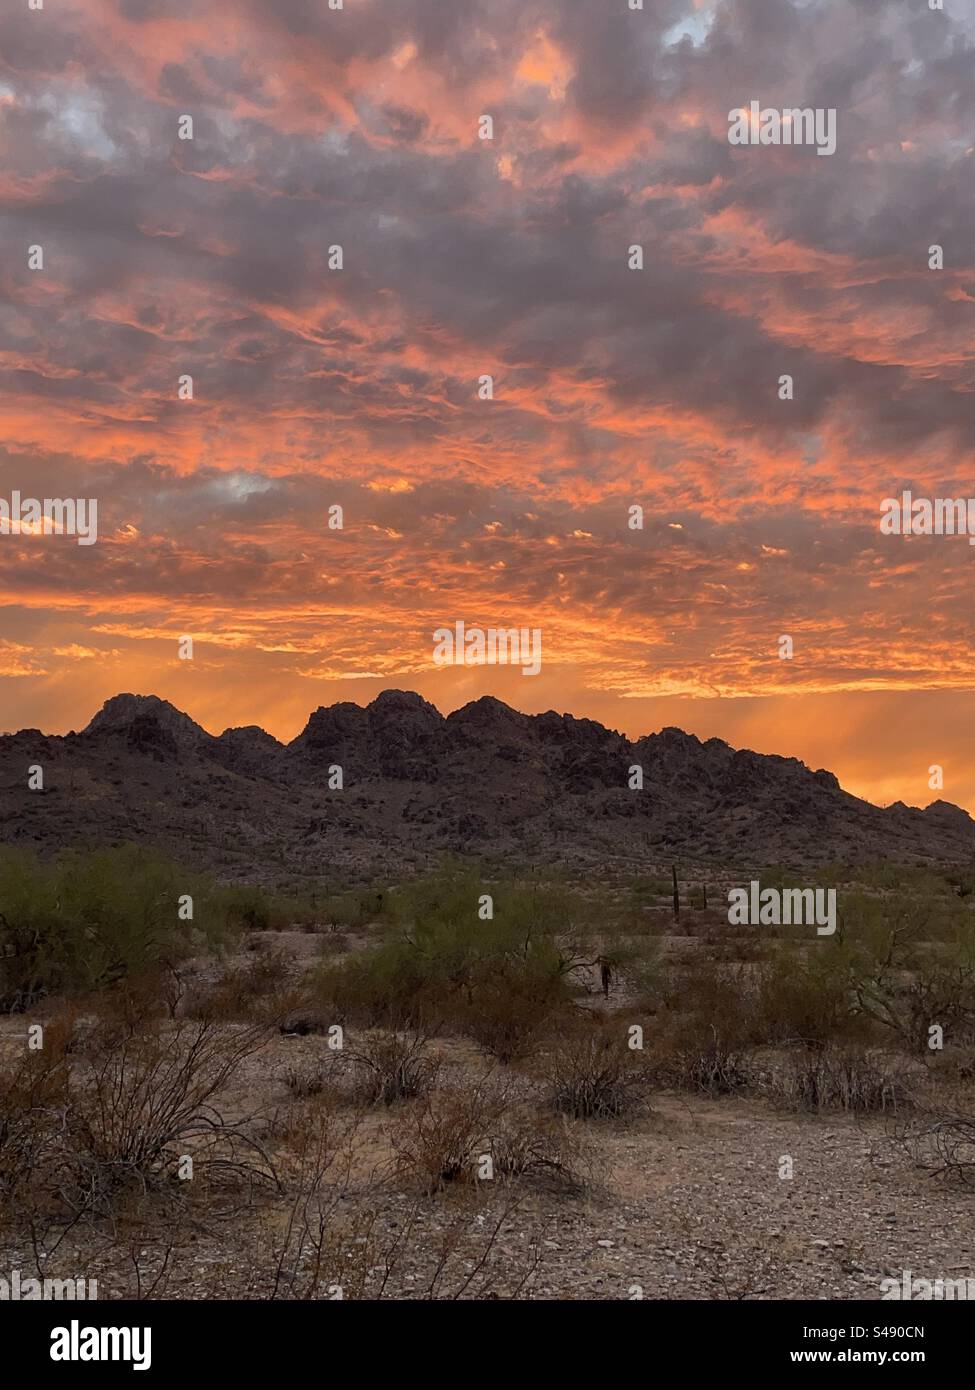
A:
(147, 1100)
(840, 1078)
(707, 1064)
(110, 1110)
(442, 1138)
(480, 1134)
(942, 1145)
(34, 1094)
(254, 992)
(527, 1145)
(508, 1015)
(592, 1073)
(393, 1066)
(321, 1248)
(304, 1082)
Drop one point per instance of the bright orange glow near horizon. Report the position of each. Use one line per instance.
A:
(211, 261)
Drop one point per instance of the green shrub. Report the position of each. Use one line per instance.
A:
(440, 962)
(87, 921)
(802, 996)
(912, 965)
(508, 1007)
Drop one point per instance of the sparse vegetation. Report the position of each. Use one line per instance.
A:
(120, 1108)
(485, 1052)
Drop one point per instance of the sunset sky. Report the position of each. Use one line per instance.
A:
(507, 257)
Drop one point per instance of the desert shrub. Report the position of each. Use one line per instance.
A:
(962, 882)
(802, 996)
(727, 941)
(248, 907)
(108, 1112)
(900, 877)
(253, 907)
(442, 1139)
(592, 1073)
(145, 1101)
(440, 962)
(303, 1020)
(943, 1146)
(705, 1029)
(709, 1065)
(304, 1082)
(893, 927)
(953, 1067)
(87, 921)
(648, 889)
(352, 910)
(34, 1089)
(938, 993)
(506, 1010)
(701, 999)
(850, 1079)
(527, 1145)
(896, 965)
(393, 1066)
(461, 1136)
(636, 964)
(792, 995)
(336, 943)
(389, 985)
(912, 965)
(139, 997)
(247, 992)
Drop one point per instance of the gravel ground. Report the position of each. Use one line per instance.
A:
(687, 1203)
(684, 1201)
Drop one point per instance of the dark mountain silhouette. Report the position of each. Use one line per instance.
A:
(486, 779)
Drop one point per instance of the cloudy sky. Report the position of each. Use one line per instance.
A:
(462, 257)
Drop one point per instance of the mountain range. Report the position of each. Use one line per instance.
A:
(415, 784)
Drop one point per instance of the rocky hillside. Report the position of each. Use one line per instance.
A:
(484, 780)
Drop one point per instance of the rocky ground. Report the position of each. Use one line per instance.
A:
(685, 1199)
(688, 1204)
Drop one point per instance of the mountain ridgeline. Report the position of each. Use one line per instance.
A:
(484, 780)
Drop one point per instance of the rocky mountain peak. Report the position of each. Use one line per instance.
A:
(485, 780)
(146, 720)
